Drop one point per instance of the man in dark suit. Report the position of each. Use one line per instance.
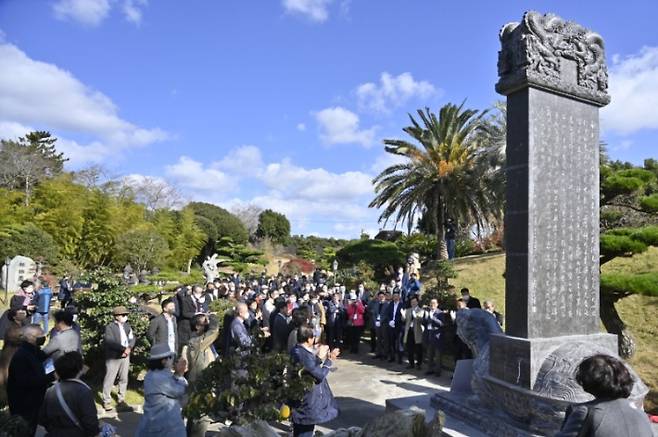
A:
(27, 381)
(163, 328)
(335, 312)
(240, 338)
(436, 321)
(471, 302)
(376, 311)
(118, 342)
(280, 328)
(395, 327)
(185, 311)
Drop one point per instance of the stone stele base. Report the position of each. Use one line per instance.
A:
(467, 409)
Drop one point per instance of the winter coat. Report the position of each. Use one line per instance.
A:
(80, 400)
(355, 312)
(413, 319)
(199, 352)
(318, 405)
(162, 416)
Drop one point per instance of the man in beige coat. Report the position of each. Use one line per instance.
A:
(413, 333)
(199, 353)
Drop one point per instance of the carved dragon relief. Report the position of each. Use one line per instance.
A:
(538, 51)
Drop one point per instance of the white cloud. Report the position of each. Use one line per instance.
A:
(77, 154)
(341, 126)
(392, 92)
(39, 94)
(192, 176)
(244, 160)
(315, 184)
(314, 10)
(634, 91)
(311, 198)
(301, 127)
(10, 130)
(87, 12)
(93, 12)
(132, 10)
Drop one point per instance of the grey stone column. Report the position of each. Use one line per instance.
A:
(554, 75)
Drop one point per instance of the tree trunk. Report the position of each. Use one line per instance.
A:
(615, 325)
(439, 230)
(27, 190)
(189, 266)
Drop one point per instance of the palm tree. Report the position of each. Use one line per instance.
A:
(453, 169)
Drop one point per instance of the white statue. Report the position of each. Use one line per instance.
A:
(210, 267)
(413, 264)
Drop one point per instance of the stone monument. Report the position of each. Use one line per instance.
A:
(20, 268)
(554, 75)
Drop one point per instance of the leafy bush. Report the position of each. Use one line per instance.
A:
(422, 244)
(95, 312)
(313, 248)
(244, 388)
(362, 273)
(381, 255)
(464, 247)
(447, 298)
(28, 240)
(626, 284)
(443, 271)
(614, 243)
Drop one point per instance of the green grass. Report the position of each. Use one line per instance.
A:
(484, 277)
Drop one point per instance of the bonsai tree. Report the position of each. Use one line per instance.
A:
(629, 224)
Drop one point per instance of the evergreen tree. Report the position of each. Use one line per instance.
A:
(26, 162)
(273, 225)
(629, 222)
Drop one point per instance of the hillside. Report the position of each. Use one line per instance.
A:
(483, 275)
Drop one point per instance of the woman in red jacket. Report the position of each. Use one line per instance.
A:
(355, 322)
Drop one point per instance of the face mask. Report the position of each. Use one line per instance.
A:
(41, 341)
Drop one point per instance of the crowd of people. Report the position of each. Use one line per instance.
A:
(295, 314)
(307, 317)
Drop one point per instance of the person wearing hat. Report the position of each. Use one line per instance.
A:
(118, 342)
(355, 322)
(163, 393)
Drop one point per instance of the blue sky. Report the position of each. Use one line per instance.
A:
(282, 103)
